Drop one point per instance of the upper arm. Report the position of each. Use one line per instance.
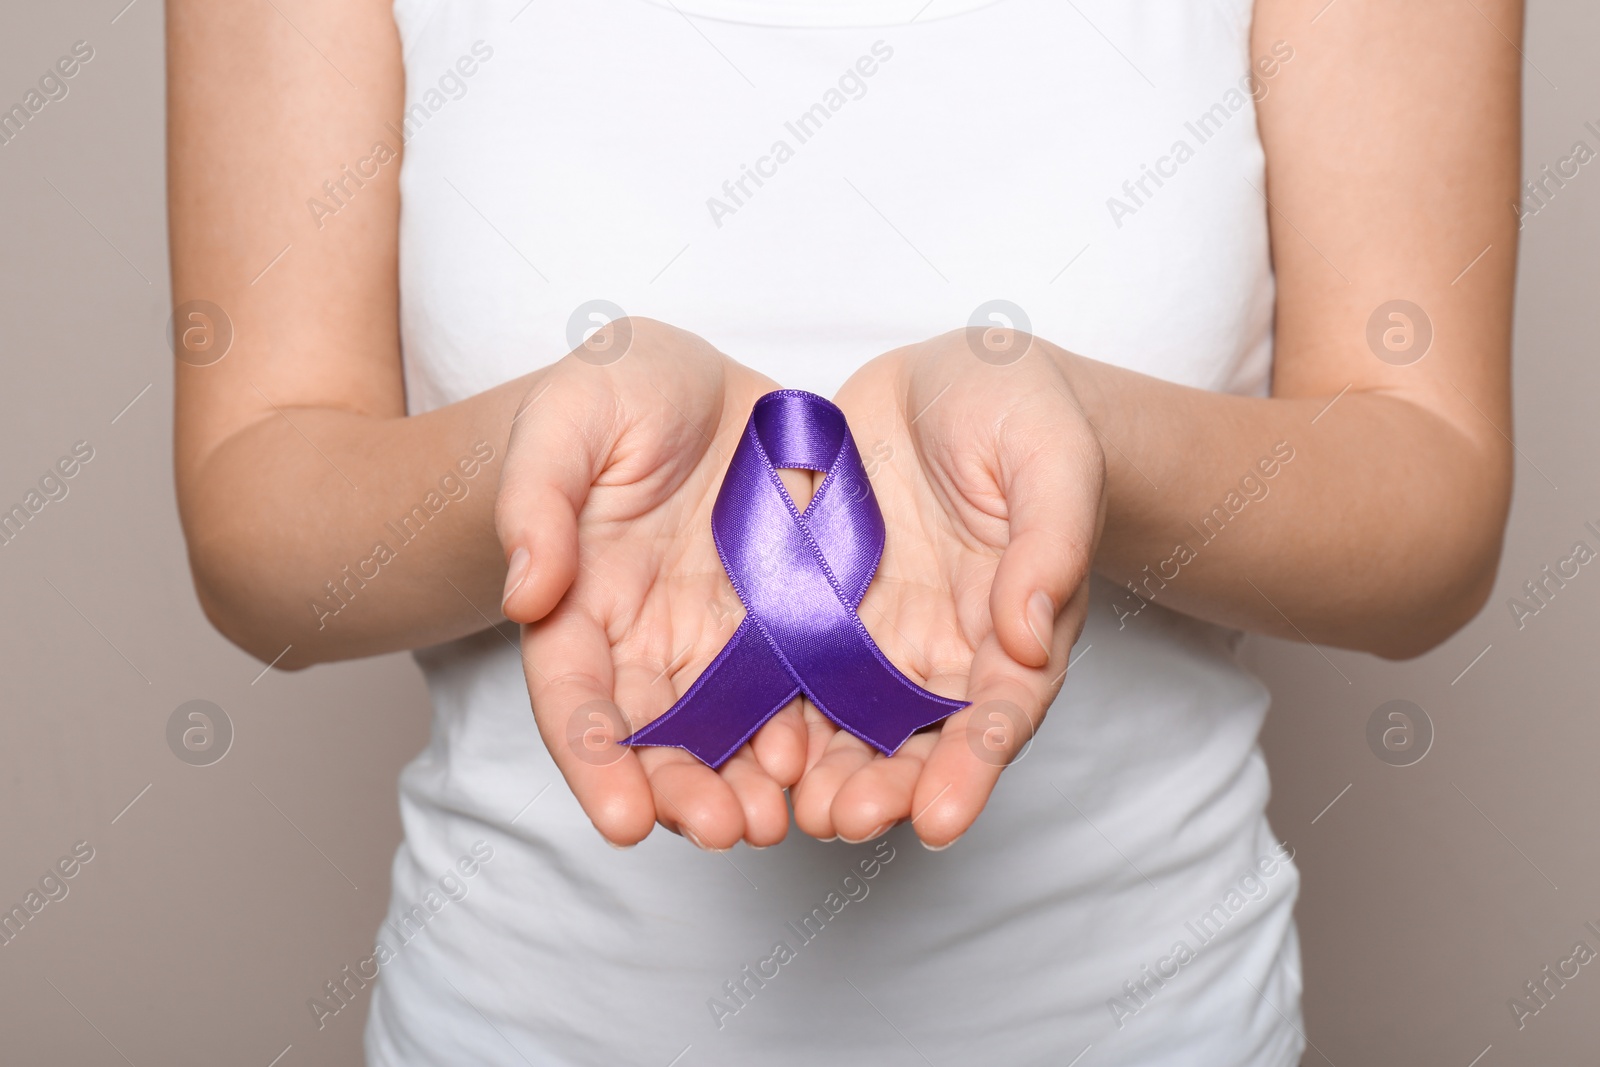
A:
(1393, 155)
(267, 100)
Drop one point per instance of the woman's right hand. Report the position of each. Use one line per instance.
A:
(604, 512)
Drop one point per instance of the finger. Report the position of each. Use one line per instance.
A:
(567, 662)
(698, 803)
(881, 792)
(1054, 489)
(693, 800)
(766, 813)
(878, 795)
(819, 733)
(843, 755)
(779, 747)
(558, 442)
(977, 744)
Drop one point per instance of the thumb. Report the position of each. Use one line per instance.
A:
(1054, 497)
(553, 458)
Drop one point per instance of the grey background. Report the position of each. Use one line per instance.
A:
(226, 895)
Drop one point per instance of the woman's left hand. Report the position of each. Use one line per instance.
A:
(992, 486)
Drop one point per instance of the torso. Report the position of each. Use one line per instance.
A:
(602, 151)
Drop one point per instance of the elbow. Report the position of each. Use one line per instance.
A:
(1447, 596)
(238, 578)
(269, 645)
(276, 650)
(1452, 557)
(240, 613)
(1417, 633)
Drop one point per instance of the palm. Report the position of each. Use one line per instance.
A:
(644, 604)
(952, 465)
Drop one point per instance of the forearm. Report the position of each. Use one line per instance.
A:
(336, 534)
(1370, 524)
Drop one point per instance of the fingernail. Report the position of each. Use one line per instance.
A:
(619, 848)
(1041, 618)
(694, 839)
(940, 848)
(516, 571)
(875, 833)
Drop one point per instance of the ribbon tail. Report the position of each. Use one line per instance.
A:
(881, 707)
(742, 688)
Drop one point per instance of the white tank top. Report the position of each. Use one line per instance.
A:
(807, 184)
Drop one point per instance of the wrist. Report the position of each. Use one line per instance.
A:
(1086, 384)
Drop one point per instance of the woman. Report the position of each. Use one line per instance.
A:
(1270, 250)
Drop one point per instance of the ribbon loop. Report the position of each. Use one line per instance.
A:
(801, 577)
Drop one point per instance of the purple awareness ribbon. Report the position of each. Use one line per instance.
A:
(801, 577)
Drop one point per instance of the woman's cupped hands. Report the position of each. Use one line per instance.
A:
(991, 485)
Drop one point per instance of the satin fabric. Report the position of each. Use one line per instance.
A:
(801, 576)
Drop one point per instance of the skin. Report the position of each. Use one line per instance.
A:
(995, 490)
(605, 508)
(1392, 142)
